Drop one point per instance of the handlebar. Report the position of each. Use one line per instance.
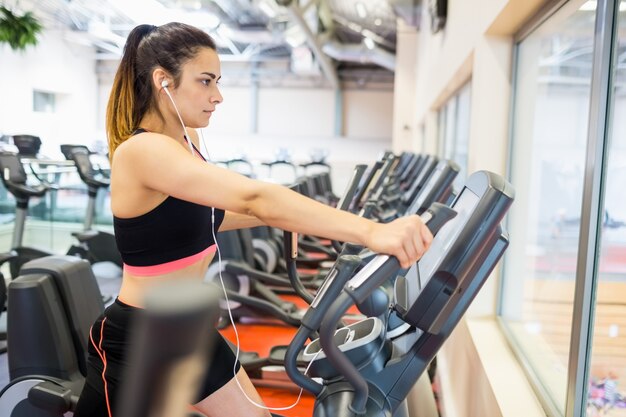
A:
(331, 303)
(356, 291)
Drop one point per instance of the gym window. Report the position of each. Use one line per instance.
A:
(44, 102)
(453, 120)
(563, 300)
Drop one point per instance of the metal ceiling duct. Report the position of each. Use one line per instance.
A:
(246, 31)
(360, 53)
(250, 36)
(408, 10)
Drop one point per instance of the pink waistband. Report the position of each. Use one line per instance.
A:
(167, 267)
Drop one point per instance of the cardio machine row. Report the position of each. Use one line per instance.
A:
(391, 187)
(428, 299)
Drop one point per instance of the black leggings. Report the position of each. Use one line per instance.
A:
(110, 336)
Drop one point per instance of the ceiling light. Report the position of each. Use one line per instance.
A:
(588, 6)
(144, 11)
(378, 21)
(294, 36)
(189, 4)
(102, 31)
(369, 43)
(361, 10)
(368, 34)
(267, 8)
(591, 5)
(155, 13)
(201, 19)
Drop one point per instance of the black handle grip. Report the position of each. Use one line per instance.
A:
(436, 216)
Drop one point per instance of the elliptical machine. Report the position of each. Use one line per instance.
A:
(53, 304)
(4, 257)
(14, 180)
(368, 370)
(96, 245)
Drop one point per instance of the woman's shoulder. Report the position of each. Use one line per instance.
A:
(143, 151)
(143, 143)
(140, 137)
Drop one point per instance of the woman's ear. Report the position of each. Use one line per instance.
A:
(159, 76)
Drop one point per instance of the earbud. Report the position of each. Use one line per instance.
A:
(164, 84)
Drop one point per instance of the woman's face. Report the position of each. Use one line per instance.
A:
(197, 94)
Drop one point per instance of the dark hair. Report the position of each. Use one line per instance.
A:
(148, 47)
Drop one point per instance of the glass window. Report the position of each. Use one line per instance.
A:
(550, 122)
(454, 129)
(44, 102)
(441, 129)
(459, 151)
(606, 394)
(450, 127)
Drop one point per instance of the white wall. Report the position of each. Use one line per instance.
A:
(298, 113)
(405, 124)
(368, 114)
(55, 66)
(234, 114)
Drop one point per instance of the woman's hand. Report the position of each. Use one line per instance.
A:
(406, 238)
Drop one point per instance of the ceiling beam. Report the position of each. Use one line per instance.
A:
(325, 62)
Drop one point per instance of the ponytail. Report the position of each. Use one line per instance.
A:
(122, 115)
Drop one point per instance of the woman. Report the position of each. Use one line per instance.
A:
(168, 202)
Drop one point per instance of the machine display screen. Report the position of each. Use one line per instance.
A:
(417, 204)
(420, 177)
(369, 182)
(342, 201)
(464, 205)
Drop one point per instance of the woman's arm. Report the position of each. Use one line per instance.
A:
(159, 163)
(233, 221)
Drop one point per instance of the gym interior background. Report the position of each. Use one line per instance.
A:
(530, 89)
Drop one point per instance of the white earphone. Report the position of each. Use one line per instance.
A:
(164, 84)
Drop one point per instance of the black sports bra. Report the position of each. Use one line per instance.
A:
(169, 237)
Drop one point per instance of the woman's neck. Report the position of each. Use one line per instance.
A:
(153, 123)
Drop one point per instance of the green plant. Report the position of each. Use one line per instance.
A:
(18, 31)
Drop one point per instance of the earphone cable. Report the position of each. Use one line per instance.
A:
(187, 138)
(237, 344)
